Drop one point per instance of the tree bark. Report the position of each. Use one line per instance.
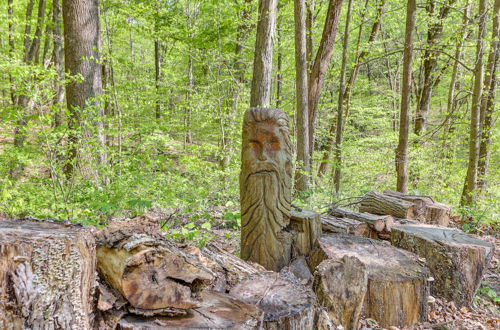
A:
(58, 60)
(263, 58)
(279, 73)
(158, 109)
(470, 183)
(302, 169)
(320, 66)
(488, 101)
(81, 53)
(404, 117)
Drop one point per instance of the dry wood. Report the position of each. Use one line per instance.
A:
(376, 222)
(397, 282)
(217, 311)
(456, 260)
(307, 225)
(377, 203)
(47, 275)
(286, 303)
(340, 286)
(344, 226)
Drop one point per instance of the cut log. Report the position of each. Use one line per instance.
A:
(152, 274)
(307, 225)
(397, 282)
(341, 287)
(286, 303)
(344, 226)
(376, 222)
(455, 259)
(47, 275)
(425, 210)
(377, 203)
(217, 311)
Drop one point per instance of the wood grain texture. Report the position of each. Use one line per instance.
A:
(377, 203)
(307, 227)
(340, 225)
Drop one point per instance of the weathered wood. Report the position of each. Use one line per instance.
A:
(47, 275)
(456, 260)
(286, 303)
(152, 273)
(265, 188)
(377, 203)
(340, 286)
(307, 226)
(217, 311)
(397, 282)
(376, 222)
(425, 209)
(344, 226)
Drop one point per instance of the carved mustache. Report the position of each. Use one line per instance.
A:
(262, 168)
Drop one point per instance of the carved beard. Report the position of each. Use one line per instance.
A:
(265, 211)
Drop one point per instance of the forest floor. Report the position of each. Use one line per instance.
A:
(484, 314)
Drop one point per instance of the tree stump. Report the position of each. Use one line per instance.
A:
(344, 226)
(377, 203)
(397, 282)
(307, 226)
(340, 286)
(378, 223)
(456, 260)
(216, 311)
(286, 303)
(47, 275)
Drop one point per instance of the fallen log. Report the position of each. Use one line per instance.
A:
(47, 275)
(340, 286)
(307, 227)
(216, 311)
(286, 303)
(333, 224)
(455, 259)
(397, 282)
(377, 203)
(377, 223)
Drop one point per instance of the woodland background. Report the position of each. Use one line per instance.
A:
(176, 80)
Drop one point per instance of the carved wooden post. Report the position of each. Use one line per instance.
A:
(265, 188)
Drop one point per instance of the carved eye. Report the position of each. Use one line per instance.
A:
(274, 140)
(253, 143)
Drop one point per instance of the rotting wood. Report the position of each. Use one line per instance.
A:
(377, 203)
(47, 275)
(334, 224)
(456, 260)
(307, 225)
(376, 222)
(397, 281)
(340, 286)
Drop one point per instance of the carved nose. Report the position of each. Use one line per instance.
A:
(262, 156)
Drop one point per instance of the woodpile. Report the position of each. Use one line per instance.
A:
(456, 260)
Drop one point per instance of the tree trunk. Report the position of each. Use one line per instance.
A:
(331, 224)
(157, 78)
(320, 66)
(263, 58)
(279, 74)
(58, 60)
(81, 53)
(12, 44)
(475, 132)
(488, 101)
(404, 118)
(431, 54)
(303, 169)
(377, 203)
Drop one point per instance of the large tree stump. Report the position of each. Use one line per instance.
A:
(341, 287)
(456, 260)
(216, 311)
(307, 226)
(397, 282)
(286, 303)
(378, 223)
(377, 203)
(265, 188)
(338, 225)
(47, 275)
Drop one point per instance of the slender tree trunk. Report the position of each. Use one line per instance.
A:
(12, 45)
(488, 100)
(431, 54)
(309, 34)
(404, 118)
(33, 53)
(190, 88)
(340, 105)
(303, 170)
(471, 177)
(158, 78)
(58, 60)
(81, 45)
(320, 66)
(263, 58)
(279, 74)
